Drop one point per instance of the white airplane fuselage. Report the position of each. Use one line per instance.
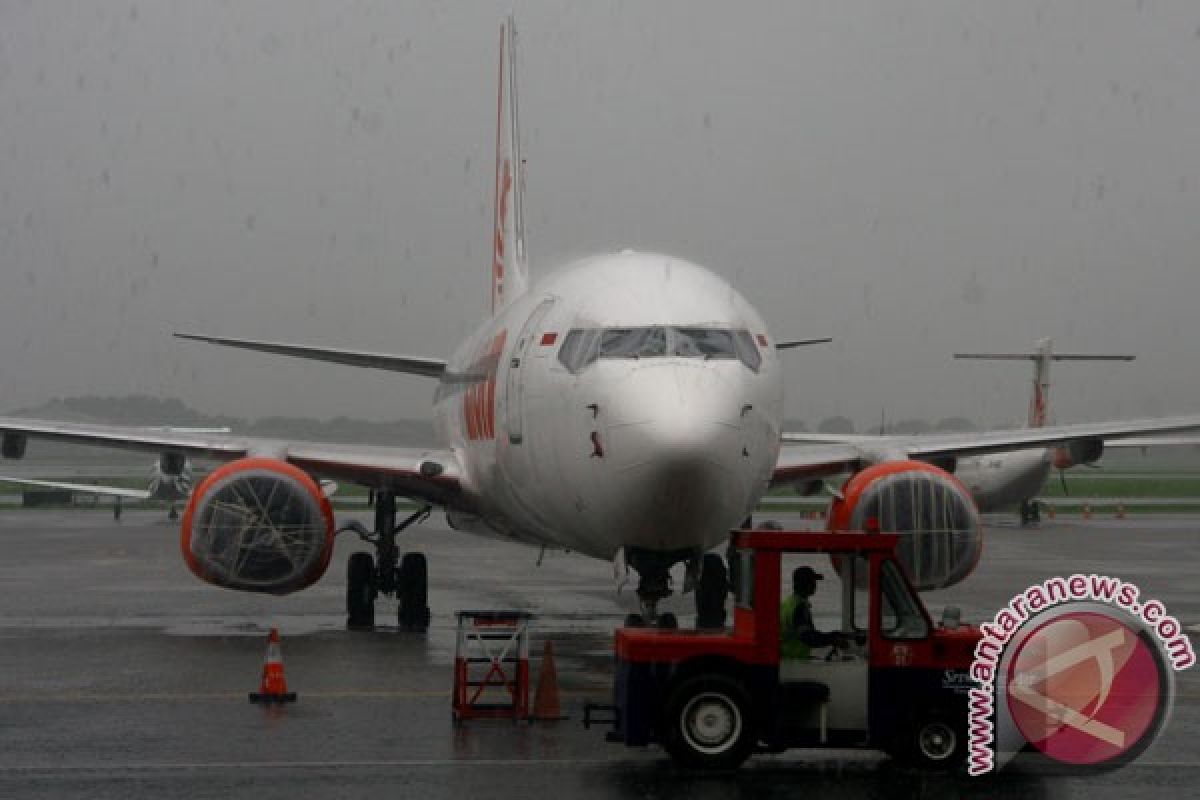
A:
(1001, 481)
(662, 449)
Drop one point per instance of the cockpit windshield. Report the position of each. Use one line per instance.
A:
(702, 343)
(583, 346)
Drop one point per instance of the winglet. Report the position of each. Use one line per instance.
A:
(510, 273)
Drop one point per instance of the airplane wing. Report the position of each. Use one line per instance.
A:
(428, 367)
(815, 461)
(1142, 442)
(82, 488)
(880, 448)
(419, 473)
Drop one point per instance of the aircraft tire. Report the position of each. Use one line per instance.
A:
(413, 613)
(360, 592)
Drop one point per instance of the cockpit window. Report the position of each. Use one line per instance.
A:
(702, 343)
(633, 343)
(582, 346)
(747, 349)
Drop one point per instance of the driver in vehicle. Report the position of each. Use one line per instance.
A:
(797, 633)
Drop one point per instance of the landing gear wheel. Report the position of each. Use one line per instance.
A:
(707, 723)
(634, 621)
(711, 591)
(360, 592)
(413, 614)
(934, 742)
(667, 621)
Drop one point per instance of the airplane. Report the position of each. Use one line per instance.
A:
(171, 480)
(626, 407)
(1003, 480)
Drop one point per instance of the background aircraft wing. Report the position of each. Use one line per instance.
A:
(802, 462)
(419, 473)
(88, 488)
(967, 444)
(879, 448)
(413, 365)
(1142, 442)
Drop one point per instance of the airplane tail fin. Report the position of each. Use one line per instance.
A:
(510, 274)
(1043, 354)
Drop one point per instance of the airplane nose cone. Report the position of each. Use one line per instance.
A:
(674, 447)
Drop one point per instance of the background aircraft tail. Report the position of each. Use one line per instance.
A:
(1042, 355)
(510, 273)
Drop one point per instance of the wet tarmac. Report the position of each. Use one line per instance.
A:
(122, 675)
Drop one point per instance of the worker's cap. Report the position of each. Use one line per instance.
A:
(802, 573)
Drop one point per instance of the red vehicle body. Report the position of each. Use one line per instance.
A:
(712, 698)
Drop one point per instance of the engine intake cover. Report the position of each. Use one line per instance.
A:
(258, 525)
(941, 533)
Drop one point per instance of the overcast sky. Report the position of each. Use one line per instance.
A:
(909, 178)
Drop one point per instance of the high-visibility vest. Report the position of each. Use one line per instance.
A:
(790, 645)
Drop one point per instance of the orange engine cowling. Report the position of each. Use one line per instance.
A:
(258, 525)
(941, 533)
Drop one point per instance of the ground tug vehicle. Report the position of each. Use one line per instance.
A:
(897, 683)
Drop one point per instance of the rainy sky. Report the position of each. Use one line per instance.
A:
(909, 178)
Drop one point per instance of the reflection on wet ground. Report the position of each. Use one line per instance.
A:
(120, 675)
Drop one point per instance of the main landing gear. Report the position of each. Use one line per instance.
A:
(387, 572)
(706, 577)
(1031, 513)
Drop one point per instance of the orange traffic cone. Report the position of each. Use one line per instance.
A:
(273, 688)
(545, 700)
(1087, 512)
(1050, 511)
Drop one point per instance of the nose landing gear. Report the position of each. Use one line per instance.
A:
(711, 586)
(387, 573)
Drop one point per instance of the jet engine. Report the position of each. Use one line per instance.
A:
(258, 525)
(941, 536)
(172, 463)
(1080, 451)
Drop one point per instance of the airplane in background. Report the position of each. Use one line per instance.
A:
(627, 407)
(1001, 481)
(171, 480)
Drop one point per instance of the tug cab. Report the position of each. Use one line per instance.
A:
(893, 680)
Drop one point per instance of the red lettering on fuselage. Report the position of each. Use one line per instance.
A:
(479, 400)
